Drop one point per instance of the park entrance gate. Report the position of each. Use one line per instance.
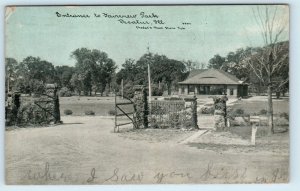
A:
(124, 112)
(163, 113)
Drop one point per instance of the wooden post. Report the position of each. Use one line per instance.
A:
(56, 109)
(254, 120)
(253, 134)
(122, 89)
(147, 109)
(149, 81)
(194, 113)
(115, 112)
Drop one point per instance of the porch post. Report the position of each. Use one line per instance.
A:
(186, 89)
(180, 90)
(235, 90)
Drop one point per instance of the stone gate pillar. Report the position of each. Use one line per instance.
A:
(141, 107)
(51, 91)
(15, 105)
(220, 112)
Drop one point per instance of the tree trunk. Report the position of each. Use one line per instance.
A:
(169, 88)
(270, 110)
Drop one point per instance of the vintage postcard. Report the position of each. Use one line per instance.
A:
(171, 94)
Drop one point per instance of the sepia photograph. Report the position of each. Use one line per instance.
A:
(147, 94)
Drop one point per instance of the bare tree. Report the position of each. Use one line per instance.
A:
(273, 57)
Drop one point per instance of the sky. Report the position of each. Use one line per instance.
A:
(197, 34)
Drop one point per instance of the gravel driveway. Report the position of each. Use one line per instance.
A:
(84, 150)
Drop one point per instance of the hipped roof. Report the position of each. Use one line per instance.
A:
(211, 76)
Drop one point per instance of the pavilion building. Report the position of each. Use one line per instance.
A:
(212, 82)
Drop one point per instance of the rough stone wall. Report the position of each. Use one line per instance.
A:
(34, 110)
(140, 107)
(52, 103)
(12, 108)
(194, 114)
(220, 112)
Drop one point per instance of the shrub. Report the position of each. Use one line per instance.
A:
(65, 92)
(263, 112)
(239, 112)
(30, 113)
(284, 115)
(157, 91)
(172, 98)
(89, 112)
(68, 112)
(112, 112)
(280, 121)
(129, 90)
(207, 110)
(174, 119)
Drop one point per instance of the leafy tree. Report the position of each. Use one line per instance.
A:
(35, 68)
(191, 65)
(32, 73)
(128, 68)
(94, 70)
(216, 62)
(76, 83)
(162, 69)
(64, 75)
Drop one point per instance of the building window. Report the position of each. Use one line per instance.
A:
(231, 91)
(191, 88)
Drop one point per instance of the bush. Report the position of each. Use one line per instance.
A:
(112, 112)
(157, 91)
(239, 112)
(232, 114)
(263, 112)
(29, 114)
(281, 121)
(284, 115)
(129, 90)
(68, 112)
(89, 112)
(174, 119)
(65, 92)
(207, 110)
(172, 98)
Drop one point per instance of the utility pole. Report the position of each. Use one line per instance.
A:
(149, 80)
(122, 89)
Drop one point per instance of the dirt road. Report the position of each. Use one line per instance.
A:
(85, 151)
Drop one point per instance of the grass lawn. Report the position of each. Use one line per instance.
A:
(262, 131)
(251, 106)
(100, 105)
